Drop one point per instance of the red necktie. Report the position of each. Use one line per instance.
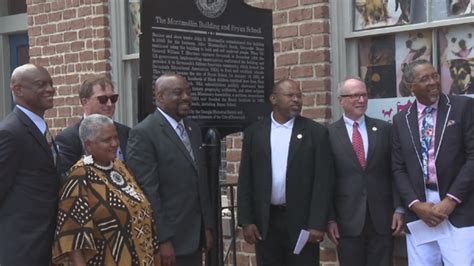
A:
(358, 144)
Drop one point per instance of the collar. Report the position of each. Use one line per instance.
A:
(289, 124)
(37, 120)
(349, 122)
(171, 120)
(421, 107)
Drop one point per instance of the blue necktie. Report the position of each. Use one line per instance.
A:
(426, 136)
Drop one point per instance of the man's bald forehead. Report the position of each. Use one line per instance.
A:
(284, 83)
(23, 72)
(162, 82)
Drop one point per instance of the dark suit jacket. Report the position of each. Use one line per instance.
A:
(454, 147)
(357, 188)
(29, 186)
(176, 186)
(70, 147)
(309, 177)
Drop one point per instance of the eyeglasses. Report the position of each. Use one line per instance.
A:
(355, 96)
(425, 79)
(103, 99)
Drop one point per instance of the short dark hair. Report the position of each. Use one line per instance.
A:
(408, 73)
(85, 91)
(279, 83)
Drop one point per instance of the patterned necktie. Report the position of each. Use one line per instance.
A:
(51, 144)
(358, 144)
(426, 136)
(185, 139)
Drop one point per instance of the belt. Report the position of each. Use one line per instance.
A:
(431, 186)
(281, 207)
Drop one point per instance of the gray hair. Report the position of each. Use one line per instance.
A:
(408, 73)
(90, 127)
(341, 84)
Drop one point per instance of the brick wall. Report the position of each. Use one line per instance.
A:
(71, 39)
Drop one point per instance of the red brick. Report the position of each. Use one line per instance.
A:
(323, 99)
(286, 46)
(323, 70)
(57, 38)
(48, 50)
(102, 54)
(308, 2)
(77, 24)
(58, 5)
(71, 58)
(321, 12)
(316, 85)
(53, 17)
(35, 51)
(77, 46)
(276, 47)
(63, 48)
(100, 21)
(281, 73)
(287, 59)
(86, 56)
(301, 71)
(70, 36)
(320, 41)
(42, 40)
(72, 3)
(100, 44)
(84, 11)
(233, 156)
(104, 32)
(280, 18)
(69, 14)
(49, 29)
(34, 31)
(300, 15)
(101, 10)
(64, 111)
(326, 254)
(247, 247)
(63, 26)
(308, 100)
(286, 31)
(317, 113)
(72, 79)
(298, 43)
(32, 9)
(77, 111)
(59, 123)
(314, 28)
(314, 56)
(284, 4)
(41, 19)
(85, 33)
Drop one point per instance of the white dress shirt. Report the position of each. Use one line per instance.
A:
(172, 121)
(280, 136)
(37, 120)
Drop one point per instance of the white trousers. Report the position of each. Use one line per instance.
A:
(457, 250)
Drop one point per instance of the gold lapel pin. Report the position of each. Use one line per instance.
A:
(299, 136)
(190, 129)
(374, 129)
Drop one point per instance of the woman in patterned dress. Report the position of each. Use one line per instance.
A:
(103, 217)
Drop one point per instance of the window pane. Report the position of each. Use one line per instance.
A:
(133, 26)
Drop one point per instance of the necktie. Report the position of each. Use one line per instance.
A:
(185, 139)
(51, 144)
(426, 136)
(358, 144)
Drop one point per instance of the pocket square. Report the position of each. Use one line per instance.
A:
(450, 123)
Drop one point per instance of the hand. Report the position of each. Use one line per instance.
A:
(445, 207)
(251, 234)
(168, 257)
(157, 259)
(209, 240)
(425, 211)
(398, 220)
(315, 236)
(333, 232)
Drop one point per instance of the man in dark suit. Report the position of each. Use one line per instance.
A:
(29, 182)
(164, 152)
(364, 215)
(433, 166)
(97, 97)
(285, 181)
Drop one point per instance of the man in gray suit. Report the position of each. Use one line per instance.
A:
(164, 152)
(29, 181)
(364, 215)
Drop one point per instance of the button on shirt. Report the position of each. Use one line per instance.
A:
(280, 136)
(362, 129)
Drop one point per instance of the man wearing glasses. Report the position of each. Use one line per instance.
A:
(365, 211)
(433, 166)
(97, 96)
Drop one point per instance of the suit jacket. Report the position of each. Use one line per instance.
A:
(70, 146)
(454, 155)
(358, 189)
(29, 186)
(309, 177)
(175, 185)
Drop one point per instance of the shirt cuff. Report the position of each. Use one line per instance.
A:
(454, 198)
(400, 210)
(413, 202)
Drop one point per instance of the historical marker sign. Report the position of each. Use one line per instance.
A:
(223, 47)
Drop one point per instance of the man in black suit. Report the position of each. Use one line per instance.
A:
(29, 181)
(364, 215)
(97, 97)
(433, 166)
(164, 152)
(285, 181)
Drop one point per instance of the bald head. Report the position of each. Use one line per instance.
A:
(32, 88)
(173, 95)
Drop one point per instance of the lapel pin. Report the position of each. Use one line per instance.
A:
(299, 136)
(374, 129)
(189, 128)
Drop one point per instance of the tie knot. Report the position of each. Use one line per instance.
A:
(180, 128)
(355, 125)
(429, 110)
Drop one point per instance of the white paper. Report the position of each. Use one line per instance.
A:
(422, 233)
(302, 239)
